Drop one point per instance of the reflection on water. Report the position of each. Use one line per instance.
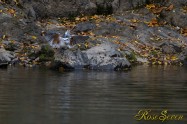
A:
(36, 96)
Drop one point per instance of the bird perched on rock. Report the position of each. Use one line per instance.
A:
(58, 41)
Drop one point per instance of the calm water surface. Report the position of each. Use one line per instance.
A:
(36, 96)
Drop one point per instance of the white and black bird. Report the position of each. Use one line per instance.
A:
(57, 41)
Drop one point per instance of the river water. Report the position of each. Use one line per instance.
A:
(39, 96)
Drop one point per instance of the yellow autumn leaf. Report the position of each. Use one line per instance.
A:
(84, 18)
(4, 36)
(49, 22)
(159, 62)
(136, 41)
(134, 20)
(180, 64)
(34, 37)
(33, 47)
(98, 25)
(150, 6)
(95, 17)
(86, 45)
(11, 11)
(165, 63)
(119, 49)
(91, 33)
(12, 41)
(173, 58)
(77, 19)
(153, 63)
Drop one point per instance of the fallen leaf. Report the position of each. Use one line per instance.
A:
(158, 10)
(165, 63)
(86, 45)
(136, 41)
(77, 19)
(95, 17)
(185, 9)
(170, 7)
(150, 6)
(159, 62)
(4, 36)
(173, 58)
(153, 22)
(184, 31)
(119, 49)
(34, 37)
(11, 11)
(134, 20)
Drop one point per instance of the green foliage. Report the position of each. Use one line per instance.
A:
(44, 57)
(10, 47)
(132, 57)
(154, 53)
(46, 53)
(72, 16)
(186, 58)
(47, 50)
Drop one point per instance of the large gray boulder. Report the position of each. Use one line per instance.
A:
(106, 56)
(102, 57)
(5, 57)
(60, 8)
(16, 27)
(84, 27)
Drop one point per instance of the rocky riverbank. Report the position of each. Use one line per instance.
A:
(106, 35)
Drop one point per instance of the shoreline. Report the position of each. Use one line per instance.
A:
(114, 41)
